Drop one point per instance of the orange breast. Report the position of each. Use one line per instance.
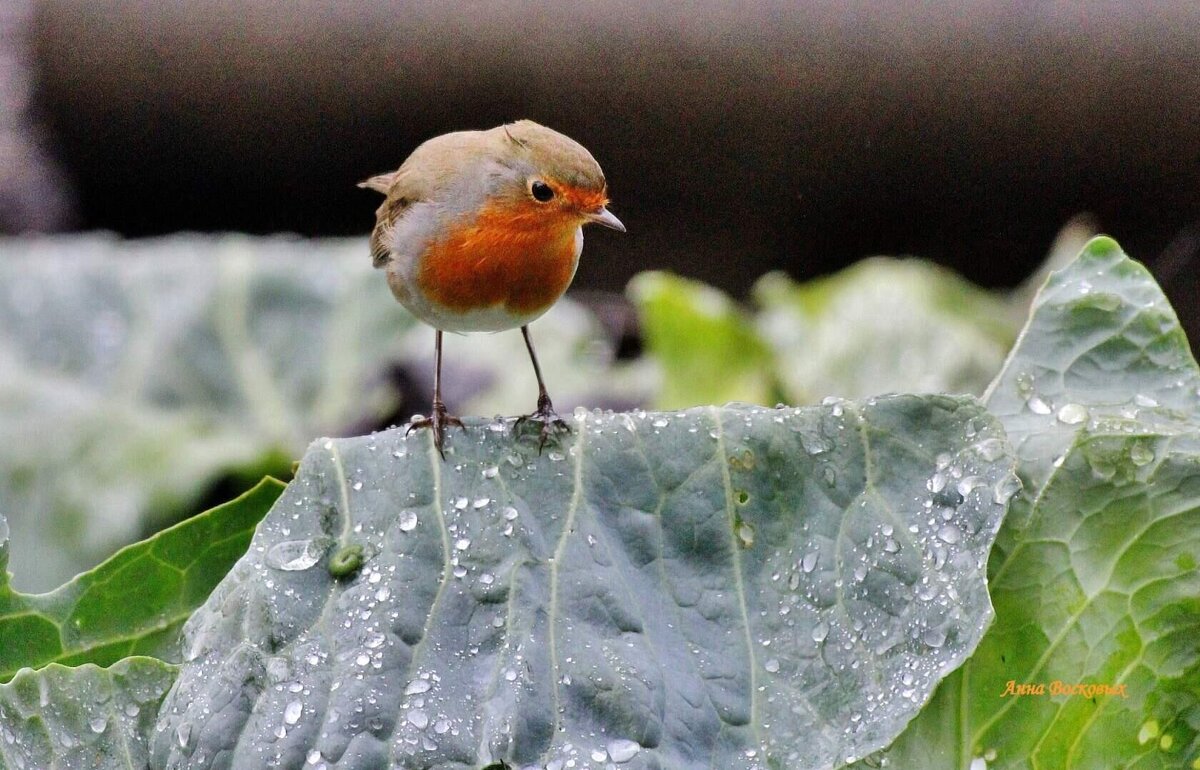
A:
(520, 257)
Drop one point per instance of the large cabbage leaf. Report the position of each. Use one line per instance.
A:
(1094, 576)
(136, 602)
(732, 588)
(136, 374)
(82, 718)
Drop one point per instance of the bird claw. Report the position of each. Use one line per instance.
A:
(551, 424)
(437, 421)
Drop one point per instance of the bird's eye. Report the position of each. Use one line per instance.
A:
(541, 191)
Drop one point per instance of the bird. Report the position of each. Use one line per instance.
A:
(481, 231)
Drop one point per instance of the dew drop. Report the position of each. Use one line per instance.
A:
(357, 486)
(1148, 732)
(462, 544)
(745, 534)
(949, 534)
(599, 755)
(408, 521)
(934, 637)
(183, 734)
(772, 666)
(820, 631)
(809, 562)
(890, 545)
(969, 484)
(491, 472)
(621, 750)
(1143, 400)
(990, 449)
(313, 757)
(294, 555)
(510, 675)
(418, 719)
(1072, 414)
(292, 712)
(417, 686)
(97, 725)
(481, 502)
(1004, 489)
(1037, 405)
(442, 726)
(461, 503)
(1141, 454)
(132, 709)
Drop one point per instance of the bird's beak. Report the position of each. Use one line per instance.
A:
(603, 216)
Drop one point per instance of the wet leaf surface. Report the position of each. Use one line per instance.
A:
(737, 587)
(1094, 574)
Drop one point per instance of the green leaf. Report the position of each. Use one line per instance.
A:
(1094, 574)
(883, 325)
(134, 375)
(737, 587)
(84, 718)
(136, 602)
(706, 347)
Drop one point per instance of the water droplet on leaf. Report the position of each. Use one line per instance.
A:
(621, 750)
(294, 555)
(417, 686)
(1072, 414)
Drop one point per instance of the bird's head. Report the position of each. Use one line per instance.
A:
(553, 175)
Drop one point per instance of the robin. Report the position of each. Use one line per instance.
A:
(481, 231)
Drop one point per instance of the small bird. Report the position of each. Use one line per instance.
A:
(481, 231)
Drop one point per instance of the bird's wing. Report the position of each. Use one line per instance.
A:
(432, 167)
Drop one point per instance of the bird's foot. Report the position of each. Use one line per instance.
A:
(550, 424)
(437, 421)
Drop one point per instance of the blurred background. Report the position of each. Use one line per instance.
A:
(738, 139)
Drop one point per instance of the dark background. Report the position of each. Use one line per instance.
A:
(737, 138)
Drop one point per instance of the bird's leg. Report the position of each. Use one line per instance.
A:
(438, 419)
(545, 414)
